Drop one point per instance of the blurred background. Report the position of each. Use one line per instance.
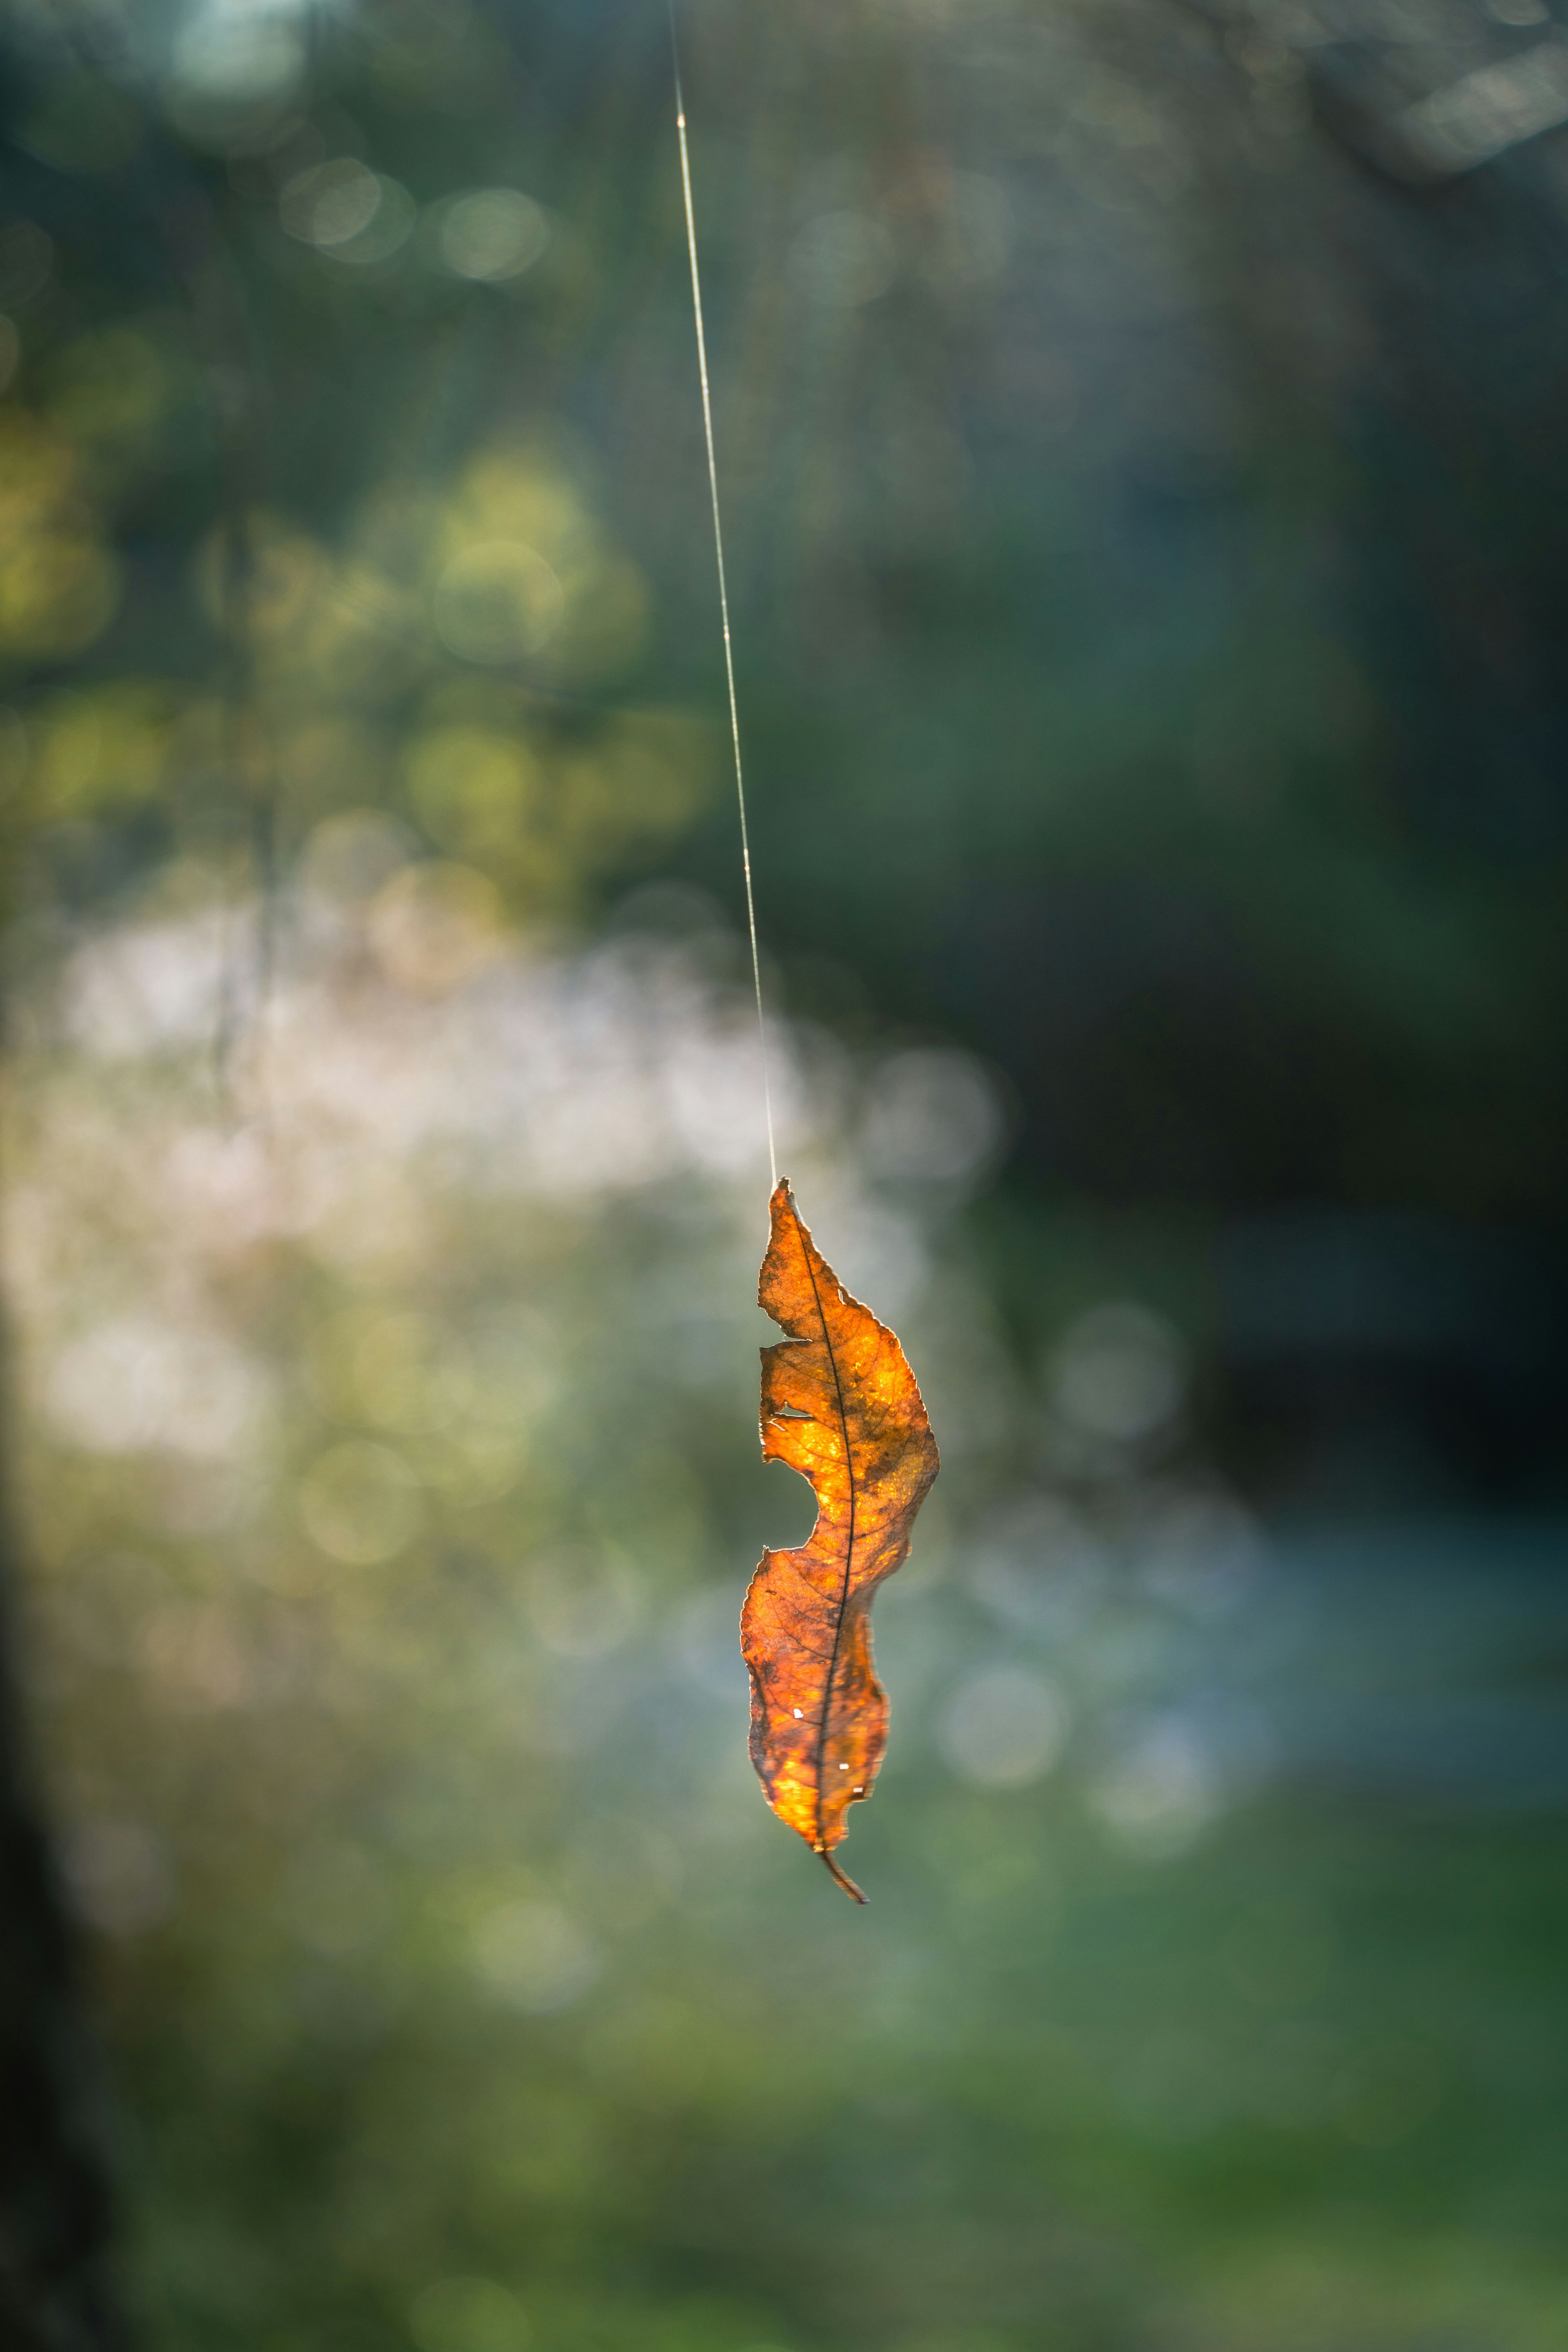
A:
(1144, 439)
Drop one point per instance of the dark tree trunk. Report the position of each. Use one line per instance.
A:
(55, 2289)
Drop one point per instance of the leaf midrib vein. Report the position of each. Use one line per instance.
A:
(849, 1545)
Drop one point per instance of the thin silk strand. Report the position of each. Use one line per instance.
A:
(723, 589)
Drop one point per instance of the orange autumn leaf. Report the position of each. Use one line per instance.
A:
(840, 1405)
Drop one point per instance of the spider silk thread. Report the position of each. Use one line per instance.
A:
(723, 585)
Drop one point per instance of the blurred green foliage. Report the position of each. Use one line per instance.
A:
(391, 1515)
(384, 1181)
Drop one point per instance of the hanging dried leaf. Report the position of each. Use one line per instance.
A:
(839, 1404)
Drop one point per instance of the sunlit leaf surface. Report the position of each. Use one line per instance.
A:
(840, 1405)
